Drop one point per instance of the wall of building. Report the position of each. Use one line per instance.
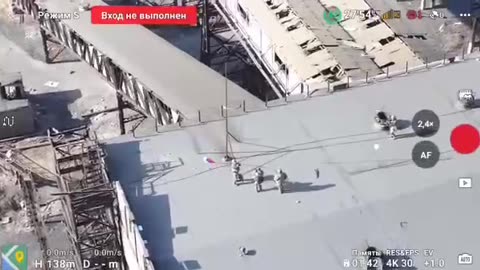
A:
(136, 253)
(16, 119)
(263, 46)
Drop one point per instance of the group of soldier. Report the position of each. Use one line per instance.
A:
(393, 127)
(279, 178)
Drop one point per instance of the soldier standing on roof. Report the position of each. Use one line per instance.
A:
(393, 135)
(258, 179)
(393, 126)
(237, 176)
(235, 166)
(280, 179)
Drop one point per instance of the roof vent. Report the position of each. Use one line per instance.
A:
(283, 13)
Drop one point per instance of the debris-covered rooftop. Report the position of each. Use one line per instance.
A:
(369, 191)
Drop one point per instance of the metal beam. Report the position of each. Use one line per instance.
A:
(89, 204)
(122, 81)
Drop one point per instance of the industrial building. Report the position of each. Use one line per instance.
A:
(165, 199)
(16, 113)
(92, 222)
(303, 52)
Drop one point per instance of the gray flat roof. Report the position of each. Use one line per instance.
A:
(11, 105)
(369, 191)
(179, 80)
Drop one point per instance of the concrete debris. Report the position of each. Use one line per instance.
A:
(5, 220)
(52, 208)
(441, 28)
(52, 84)
(23, 205)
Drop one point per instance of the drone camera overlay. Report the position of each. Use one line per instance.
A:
(240, 134)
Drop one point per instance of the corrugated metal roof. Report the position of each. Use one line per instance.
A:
(352, 59)
(286, 43)
(369, 37)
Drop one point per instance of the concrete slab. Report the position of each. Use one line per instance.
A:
(369, 191)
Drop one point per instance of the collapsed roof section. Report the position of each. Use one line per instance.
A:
(319, 52)
(295, 44)
(374, 35)
(316, 54)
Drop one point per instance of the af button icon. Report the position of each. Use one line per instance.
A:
(425, 154)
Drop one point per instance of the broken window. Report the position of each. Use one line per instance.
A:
(387, 40)
(304, 44)
(331, 71)
(372, 24)
(283, 13)
(314, 49)
(292, 27)
(336, 69)
(243, 13)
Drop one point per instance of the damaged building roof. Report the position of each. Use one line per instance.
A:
(378, 40)
(310, 46)
(295, 44)
(431, 38)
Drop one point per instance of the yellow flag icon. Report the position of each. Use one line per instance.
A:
(19, 256)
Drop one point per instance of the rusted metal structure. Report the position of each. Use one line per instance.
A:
(28, 175)
(88, 199)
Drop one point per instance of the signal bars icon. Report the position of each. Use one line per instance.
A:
(391, 14)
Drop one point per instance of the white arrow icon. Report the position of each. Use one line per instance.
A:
(465, 182)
